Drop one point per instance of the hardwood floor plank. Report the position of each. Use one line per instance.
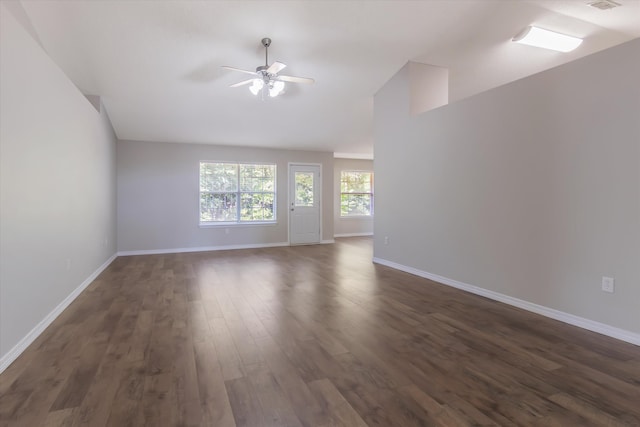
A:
(198, 322)
(61, 418)
(241, 336)
(464, 411)
(367, 391)
(598, 417)
(336, 404)
(435, 413)
(161, 350)
(211, 388)
(305, 405)
(123, 409)
(309, 336)
(96, 405)
(157, 405)
(138, 350)
(228, 357)
(191, 414)
(605, 393)
(185, 377)
(276, 408)
(81, 377)
(247, 411)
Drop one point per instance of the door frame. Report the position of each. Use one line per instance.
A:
(289, 189)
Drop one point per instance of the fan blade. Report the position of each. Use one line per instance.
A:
(242, 83)
(226, 67)
(276, 67)
(293, 79)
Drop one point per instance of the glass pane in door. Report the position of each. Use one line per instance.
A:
(304, 188)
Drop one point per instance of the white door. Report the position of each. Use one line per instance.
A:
(304, 204)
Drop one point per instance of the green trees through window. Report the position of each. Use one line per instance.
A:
(356, 193)
(237, 192)
(304, 188)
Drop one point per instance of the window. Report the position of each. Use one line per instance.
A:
(304, 189)
(237, 193)
(356, 193)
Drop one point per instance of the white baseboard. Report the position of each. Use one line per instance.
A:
(210, 248)
(591, 325)
(22, 345)
(201, 249)
(353, 234)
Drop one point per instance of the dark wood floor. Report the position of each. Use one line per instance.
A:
(312, 336)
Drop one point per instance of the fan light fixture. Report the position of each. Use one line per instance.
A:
(266, 78)
(276, 89)
(257, 86)
(534, 36)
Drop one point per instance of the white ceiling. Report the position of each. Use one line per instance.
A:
(157, 63)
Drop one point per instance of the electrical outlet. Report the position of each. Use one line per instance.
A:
(608, 284)
(386, 240)
(68, 264)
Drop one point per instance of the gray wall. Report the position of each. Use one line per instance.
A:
(57, 185)
(531, 189)
(158, 206)
(355, 225)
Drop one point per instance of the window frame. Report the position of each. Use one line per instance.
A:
(370, 194)
(239, 222)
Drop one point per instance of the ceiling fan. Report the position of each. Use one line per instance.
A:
(266, 78)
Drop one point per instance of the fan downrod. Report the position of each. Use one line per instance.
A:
(266, 42)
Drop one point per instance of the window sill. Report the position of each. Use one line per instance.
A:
(236, 224)
(357, 217)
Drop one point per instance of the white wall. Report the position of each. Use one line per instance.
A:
(531, 190)
(356, 225)
(429, 87)
(57, 181)
(158, 199)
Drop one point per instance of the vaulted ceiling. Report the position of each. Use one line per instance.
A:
(156, 64)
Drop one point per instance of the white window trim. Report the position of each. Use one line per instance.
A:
(240, 223)
(340, 193)
(228, 224)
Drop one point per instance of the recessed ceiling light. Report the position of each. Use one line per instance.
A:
(534, 36)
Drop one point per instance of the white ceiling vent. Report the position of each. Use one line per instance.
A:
(603, 4)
